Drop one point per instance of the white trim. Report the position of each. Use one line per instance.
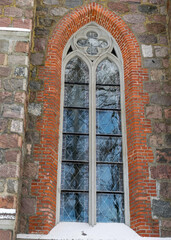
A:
(14, 29)
(7, 211)
(92, 131)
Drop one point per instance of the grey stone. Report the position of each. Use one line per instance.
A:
(13, 111)
(20, 72)
(12, 186)
(161, 51)
(134, 18)
(73, 3)
(42, 11)
(41, 32)
(32, 136)
(2, 159)
(35, 85)
(51, 2)
(4, 46)
(152, 63)
(8, 171)
(39, 45)
(147, 50)
(17, 60)
(158, 75)
(37, 58)
(163, 155)
(147, 38)
(2, 185)
(161, 208)
(149, 9)
(15, 84)
(35, 109)
(16, 126)
(3, 124)
(58, 11)
(163, 100)
(46, 22)
(168, 139)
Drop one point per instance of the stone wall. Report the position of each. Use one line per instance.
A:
(148, 21)
(15, 34)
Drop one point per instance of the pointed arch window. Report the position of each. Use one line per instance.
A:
(91, 183)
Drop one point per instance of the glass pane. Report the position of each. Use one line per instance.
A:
(109, 177)
(110, 208)
(107, 73)
(108, 97)
(74, 207)
(75, 148)
(76, 71)
(108, 149)
(75, 121)
(76, 96)
(108, 122)
(74, 176)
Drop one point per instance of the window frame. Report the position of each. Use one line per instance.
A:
(92, 66)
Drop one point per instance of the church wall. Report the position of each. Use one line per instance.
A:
(149, 20)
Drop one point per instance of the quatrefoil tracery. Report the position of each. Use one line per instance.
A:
(92, 43)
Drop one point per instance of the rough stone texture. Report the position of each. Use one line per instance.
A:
(12, 186)
(37, 58)
(163, 155)
(118, 7)
(73, 3)
(2, 185)
(158, 75)
(22, 47)
(156, 141)
(9, 141)
(15, 84)
(28, 205)
(5, 2)
(24, 3)
(165, 190)
(8, 171)
(7, 202)
(51, 2)
(161, 172)
(13, 111)
(16, 126)
(163, 100)
(134, 18)
(58, 11)
(40, 44)
(152, 86)
(152, 63)
(12, 156)
(148, 38)
(4, 46)
(159, 127)
(5, 71)
(161, 51)
(13, 12)
(161, 208)
(5, 234)
(147, 51)
(35, 109)
(167, 113)
(20, 72)
(154, 112)
(156, 28)
(146, 8)
(31, 170)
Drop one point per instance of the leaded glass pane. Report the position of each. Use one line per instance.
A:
(109, 177)
(108, 122)
(76, 96)
(107, 73)
(108, 149)
(110, 208)
(108, 97)
(75, 121)
(74, 207)
(74, 176)
(75, 148)
(76, 71)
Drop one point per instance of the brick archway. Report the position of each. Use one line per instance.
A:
(139, 154)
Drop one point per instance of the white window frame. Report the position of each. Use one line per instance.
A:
(92, 115)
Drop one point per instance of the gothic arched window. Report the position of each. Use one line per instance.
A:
(91, 183)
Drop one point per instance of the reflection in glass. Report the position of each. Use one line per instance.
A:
(76, 95)
(108, 97)
(109, 177)
(74, 207)
(110, 208)
(74, 176)
(76, 71)
(75, 148)
(108, 149)
(75, 121)
(107, 73)
(108, 122)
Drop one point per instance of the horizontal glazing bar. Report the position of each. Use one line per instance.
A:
(76, 83)
(75, 161)
(74, 191)
(109, 135)
(113, 163)
(79, 134)
(109, 192)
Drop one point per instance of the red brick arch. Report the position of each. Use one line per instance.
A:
(141, 188)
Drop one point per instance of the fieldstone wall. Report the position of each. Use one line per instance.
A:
(14, 63)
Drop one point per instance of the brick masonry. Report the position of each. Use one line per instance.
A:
(147, 105)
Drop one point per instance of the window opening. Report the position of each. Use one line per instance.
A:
(92, 179)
